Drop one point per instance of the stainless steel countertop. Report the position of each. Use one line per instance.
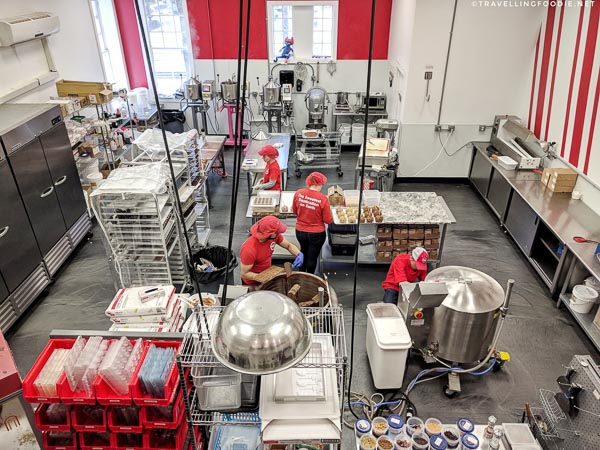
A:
(255, 146)
(16, 114)
(564, 216)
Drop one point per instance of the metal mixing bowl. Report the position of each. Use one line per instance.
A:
(262, 332)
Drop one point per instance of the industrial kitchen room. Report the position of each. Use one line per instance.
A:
(299, 225)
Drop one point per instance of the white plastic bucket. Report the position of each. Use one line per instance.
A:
(345, 130)
(371, 131)
(583, 299)
(357, 133)
(95, 178)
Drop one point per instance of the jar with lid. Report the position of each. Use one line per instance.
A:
(402, 441)
(465, 426)
(379, 426)
(362, 426)
(469, 442)
(413, 425)
(495, 442)
(420, 441)
(452, 436)
(438, 442)
(395, 424)
(385, 443)
(368, 442)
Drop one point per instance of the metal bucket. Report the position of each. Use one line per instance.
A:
(229, 91)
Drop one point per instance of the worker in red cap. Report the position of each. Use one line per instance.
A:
(313, 211)
(406, 267)
(271, 180)
(257, 251)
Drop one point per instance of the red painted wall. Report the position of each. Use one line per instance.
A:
(353, 29)
(131, 42)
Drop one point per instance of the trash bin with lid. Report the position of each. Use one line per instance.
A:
(388, 343)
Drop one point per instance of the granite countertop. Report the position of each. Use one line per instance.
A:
(414, 208)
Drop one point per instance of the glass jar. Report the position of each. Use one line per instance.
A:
(362, 426)
(452, 436)
(395, 424)
(420, 441)
(469, 442)
(379, 426)
(438, 442)
(433, 426)
(413, 425)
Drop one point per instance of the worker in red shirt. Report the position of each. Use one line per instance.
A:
(271, 180)
(257, 251)
(313, 211)
(405, 267)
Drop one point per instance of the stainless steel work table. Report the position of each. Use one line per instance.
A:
(566, 218)
(258, 168)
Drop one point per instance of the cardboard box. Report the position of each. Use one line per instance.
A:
(95, 92)
(416, 232)
(560, 187)
(546, 174)
(383, 257)
(335, 195)
(384, 245)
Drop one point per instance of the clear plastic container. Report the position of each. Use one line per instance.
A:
(402, 442)
(465, 426)
(396, 424)
(438, 442)
(380, 426)
(368, 442)
(351, 197)
(362, 426)
(452, 436)
(414, 425)
(219, 388)
(420, 441)
(371, 198)
(469, 442)
(433, 426)
(385, 443)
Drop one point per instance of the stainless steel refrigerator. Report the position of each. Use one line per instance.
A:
(43, 214)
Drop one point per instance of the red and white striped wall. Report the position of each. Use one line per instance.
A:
(566, 85)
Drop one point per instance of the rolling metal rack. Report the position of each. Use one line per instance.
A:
(318, 152)
(135, 208)
(196, 352)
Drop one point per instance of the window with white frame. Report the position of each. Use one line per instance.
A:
(167, 30)
(109, 43)
(312, 24)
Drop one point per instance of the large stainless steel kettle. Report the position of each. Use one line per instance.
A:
(229, 91)
(271, 92)
(192, 89)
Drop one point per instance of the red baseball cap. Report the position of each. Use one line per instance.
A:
(420, 256)
(316, 179)
(270, 151)
(266, 226)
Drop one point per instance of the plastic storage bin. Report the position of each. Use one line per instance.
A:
(166, 439)
(388, 342)
(95, 441)
(219, 388)
(164, 416)
(59, 440)
(371, 198)
(57, 419)
(87, 418)
(142, 398)
(351, 197)
(124, 419)
(127, 441)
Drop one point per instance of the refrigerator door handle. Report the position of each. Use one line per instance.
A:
(3, 231)
(61, 180)
(47, 192)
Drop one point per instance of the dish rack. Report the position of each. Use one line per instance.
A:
(135, 208)
(196, 352)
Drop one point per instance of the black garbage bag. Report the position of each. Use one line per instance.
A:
(218, 256)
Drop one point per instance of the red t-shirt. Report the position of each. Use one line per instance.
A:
(400, 270)
(313, 210)
(258, 254)
(272, 172)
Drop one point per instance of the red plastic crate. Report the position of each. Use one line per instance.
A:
(176, 441)
(74, 398)
(30, 393)
(83, 423)
(139, 397)
(50, 440)
(119, 441)
(106, 396)
(153, 419)
(41, 419)
(116, 427)
(95, 441)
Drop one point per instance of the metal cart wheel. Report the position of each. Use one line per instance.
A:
(449, 392)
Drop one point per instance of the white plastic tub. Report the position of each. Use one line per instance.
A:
(388, 342)
(506, 162)
(371, 198)
(583, 299)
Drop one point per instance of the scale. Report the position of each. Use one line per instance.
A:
(286, 92)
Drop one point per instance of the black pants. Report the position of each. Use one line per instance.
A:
(310, 246)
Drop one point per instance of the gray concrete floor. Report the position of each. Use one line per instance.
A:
(540, 338)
